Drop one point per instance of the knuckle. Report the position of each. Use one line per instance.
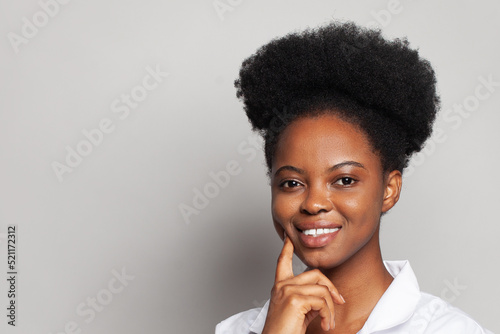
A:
(324, 306)
(279, 290)
(278, 286)
(275, 290)
(325, 288)
(294, 300)
(286, 289)
(316, 274)
(316, 271)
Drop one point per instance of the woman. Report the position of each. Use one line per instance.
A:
(341, 111)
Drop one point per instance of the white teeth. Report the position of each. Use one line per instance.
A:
(319, 231)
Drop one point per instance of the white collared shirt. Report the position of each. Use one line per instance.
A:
(403, 308)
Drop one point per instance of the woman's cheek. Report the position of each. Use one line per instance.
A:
(279, 229)
(277, 217)
(349, 205)
(283, 210)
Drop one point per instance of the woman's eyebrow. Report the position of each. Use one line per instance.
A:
(288, 167)
(331, 169)
(346, 163)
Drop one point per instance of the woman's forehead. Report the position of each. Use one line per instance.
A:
(322, 141)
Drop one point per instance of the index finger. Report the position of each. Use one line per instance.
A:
(284, 269)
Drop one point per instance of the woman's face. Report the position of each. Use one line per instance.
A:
(329, 190)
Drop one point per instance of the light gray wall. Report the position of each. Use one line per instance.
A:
(119, 207)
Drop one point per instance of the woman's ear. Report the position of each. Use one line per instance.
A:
(392, 190)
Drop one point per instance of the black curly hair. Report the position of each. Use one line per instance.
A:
(382, 86)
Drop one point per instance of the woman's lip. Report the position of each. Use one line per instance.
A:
(318, 241)
(317, 224)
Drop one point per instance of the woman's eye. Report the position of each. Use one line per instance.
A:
(290, 184)
(345, 181)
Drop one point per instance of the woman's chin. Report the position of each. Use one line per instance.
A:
(322, 264)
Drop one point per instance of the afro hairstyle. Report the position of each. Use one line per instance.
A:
(382, 86)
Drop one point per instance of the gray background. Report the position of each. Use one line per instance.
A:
(120, 207)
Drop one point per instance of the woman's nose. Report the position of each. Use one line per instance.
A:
(317, 199)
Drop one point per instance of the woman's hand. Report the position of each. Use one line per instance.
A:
(297, 300)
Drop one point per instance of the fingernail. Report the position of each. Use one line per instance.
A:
(342, 298)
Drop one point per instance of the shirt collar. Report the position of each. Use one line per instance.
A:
(258, 325)
(399, 301)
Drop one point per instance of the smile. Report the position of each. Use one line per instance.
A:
(319, 231)
(311, 236)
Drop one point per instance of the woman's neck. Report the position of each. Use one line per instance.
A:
(361, 280)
